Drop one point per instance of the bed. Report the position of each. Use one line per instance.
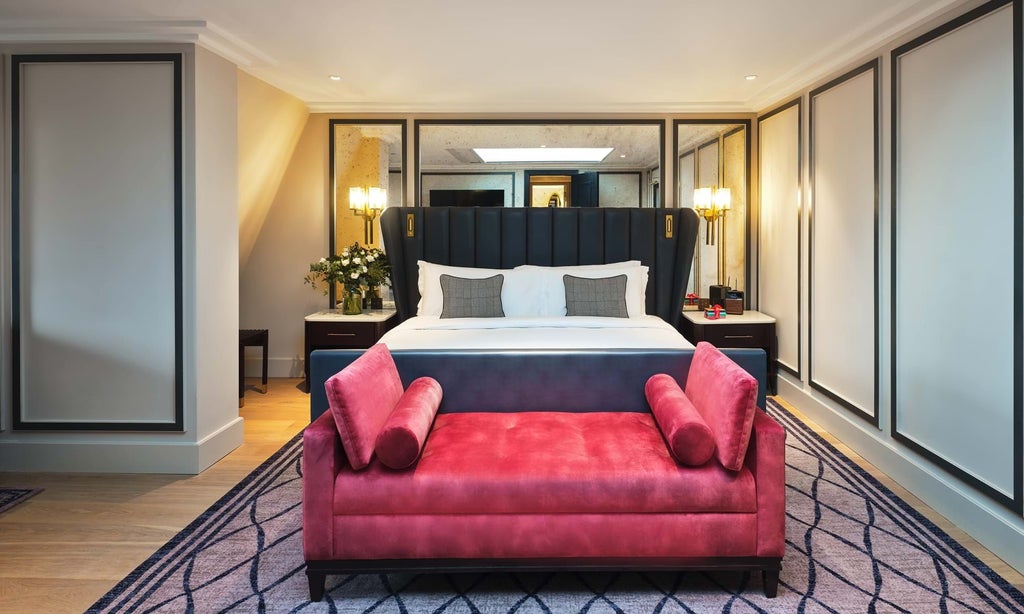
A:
(533, 250)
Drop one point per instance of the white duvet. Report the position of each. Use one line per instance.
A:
(428, 333)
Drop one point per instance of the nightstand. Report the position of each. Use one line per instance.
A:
(331, 329)
(751, 329)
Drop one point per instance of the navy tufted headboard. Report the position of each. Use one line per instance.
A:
(506, 237)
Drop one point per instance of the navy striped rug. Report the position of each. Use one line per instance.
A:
(852, 546)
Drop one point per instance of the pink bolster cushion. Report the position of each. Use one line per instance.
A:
(689, 438)
(401, 440)
(726, 397)
(362, 396)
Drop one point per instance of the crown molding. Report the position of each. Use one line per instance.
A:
(189, 31)
(854, 47)
(529, 107)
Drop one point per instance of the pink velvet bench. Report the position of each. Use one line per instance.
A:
(640, 476)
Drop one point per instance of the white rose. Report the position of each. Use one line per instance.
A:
(357, 261)
(354, 275)
(344, 262)
(369, 258)
(323, 260)
(364, 269)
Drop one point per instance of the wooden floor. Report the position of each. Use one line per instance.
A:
(63, 549)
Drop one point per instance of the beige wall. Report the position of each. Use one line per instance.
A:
(269, 125)
(272, 294)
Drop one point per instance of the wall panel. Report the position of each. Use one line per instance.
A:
(97, 222)
(957, 242)
(780, 225)
(842, 294)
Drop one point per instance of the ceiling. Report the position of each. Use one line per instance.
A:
(530, 56)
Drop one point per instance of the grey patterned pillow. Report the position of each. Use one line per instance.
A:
(604, 296)
(471, 298)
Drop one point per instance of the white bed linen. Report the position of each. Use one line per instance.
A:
(432, 333)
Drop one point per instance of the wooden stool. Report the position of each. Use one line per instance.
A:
(251, 337)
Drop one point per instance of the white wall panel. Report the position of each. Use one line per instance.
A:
(779, 236)
(954, 247)
(844, 164)
(97, 243)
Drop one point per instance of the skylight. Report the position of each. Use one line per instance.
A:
(543, 154)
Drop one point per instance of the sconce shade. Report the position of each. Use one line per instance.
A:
(357, 198)
(702, 198)
(378, 198)
(723, 199)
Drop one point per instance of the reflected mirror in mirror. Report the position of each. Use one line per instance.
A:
(367, 156)
(712, 166)
(551, 164)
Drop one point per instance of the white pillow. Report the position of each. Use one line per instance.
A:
(552, 292)
(518, 296)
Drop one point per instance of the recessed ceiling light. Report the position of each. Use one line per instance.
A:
(335, 77)
(750, 77)
(543, 154)
(543, 146)
(622, 155)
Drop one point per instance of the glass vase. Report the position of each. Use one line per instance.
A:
(353, 304)
(373, 299)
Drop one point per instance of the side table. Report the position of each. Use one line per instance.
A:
(331, 329)
(751, 329)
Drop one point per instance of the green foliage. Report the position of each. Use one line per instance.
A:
(356, 266)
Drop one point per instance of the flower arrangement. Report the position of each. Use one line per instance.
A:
(356, 266)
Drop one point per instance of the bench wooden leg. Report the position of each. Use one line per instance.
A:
(317, 584)
(770, 581)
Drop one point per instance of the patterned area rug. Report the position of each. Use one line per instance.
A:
(9, 497)
(852, 546)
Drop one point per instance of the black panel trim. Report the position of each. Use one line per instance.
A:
(175, 59)
(332, 187)
(1016, 502)
(875, 67)
(798, 103)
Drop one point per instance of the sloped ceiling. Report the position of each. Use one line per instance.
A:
(502, 57)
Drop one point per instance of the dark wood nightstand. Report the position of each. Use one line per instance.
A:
(330, 329)
(751, 329)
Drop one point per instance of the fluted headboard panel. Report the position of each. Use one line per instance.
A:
(503, 238)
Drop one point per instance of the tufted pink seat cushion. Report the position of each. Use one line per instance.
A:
(544, 462)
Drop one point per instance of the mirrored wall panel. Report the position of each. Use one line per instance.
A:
(367, 159)
(712, 169)
(582, 163)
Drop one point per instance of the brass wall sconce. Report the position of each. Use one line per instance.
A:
(367, 202)
(712, 204)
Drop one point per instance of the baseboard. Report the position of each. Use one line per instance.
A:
(993, 526)
(103, 453)
(276, 367)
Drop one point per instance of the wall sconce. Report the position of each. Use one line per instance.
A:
(712, 205)
(367, 202)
